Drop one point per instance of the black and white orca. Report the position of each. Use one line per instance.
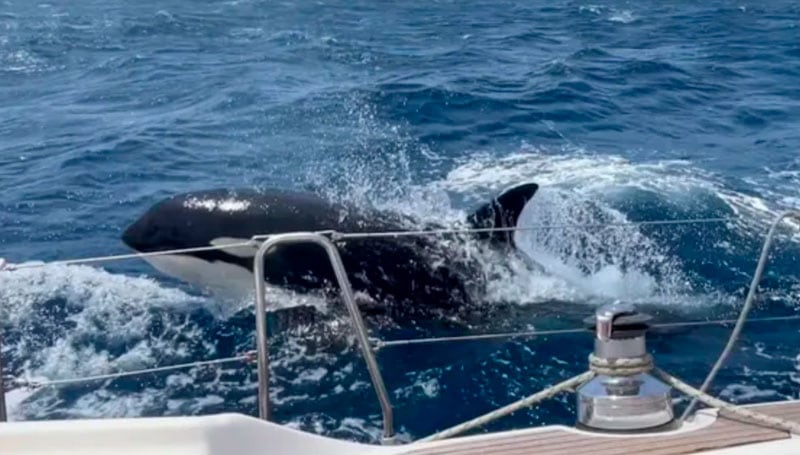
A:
(415, 276)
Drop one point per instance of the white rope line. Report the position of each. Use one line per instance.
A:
(534, 399)
(748, 303)
(380, 344)
(358, 235)
(101, 377)
(753, 416)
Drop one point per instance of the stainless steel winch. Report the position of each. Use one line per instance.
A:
(622, 397)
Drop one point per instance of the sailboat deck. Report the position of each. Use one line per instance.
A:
(725, 432)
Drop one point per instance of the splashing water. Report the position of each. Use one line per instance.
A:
(607, 262)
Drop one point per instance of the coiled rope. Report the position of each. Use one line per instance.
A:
(621, 366)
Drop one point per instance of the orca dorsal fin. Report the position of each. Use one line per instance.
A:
(502, 212)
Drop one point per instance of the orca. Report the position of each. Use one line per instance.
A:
(412, 276)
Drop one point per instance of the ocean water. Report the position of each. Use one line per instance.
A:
(621, 111)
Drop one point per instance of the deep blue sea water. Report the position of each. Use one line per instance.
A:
(622, 111)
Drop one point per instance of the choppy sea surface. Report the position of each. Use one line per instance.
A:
(621, 111)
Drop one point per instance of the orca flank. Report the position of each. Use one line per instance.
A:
(419, 275)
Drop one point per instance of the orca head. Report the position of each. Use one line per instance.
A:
(196, 220)
(193, 220)
(227, 219)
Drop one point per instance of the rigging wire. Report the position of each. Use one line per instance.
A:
(538, 333)
(256, 239)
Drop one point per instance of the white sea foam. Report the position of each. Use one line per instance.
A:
(115, 308)
(610, 14)
(624, 17)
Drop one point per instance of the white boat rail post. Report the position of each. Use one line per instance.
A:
(349, 300)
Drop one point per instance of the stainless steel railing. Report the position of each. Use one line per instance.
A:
(322, 240)
(347, 295)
